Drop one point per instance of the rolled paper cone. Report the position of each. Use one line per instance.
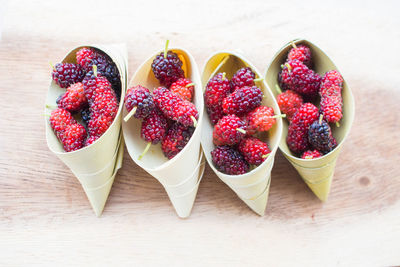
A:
(250, 187)
(317, 173)
(183, 202)
(95, 166)
(181, 167)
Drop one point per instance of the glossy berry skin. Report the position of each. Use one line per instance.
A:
(218, 87)
(65, 74)
(242, 100)
(229, 161)
(167, 70)
(297, 77)
(59, 120)
(91, 140)
(141, 98)
(103, 109)
(331, 96)
(73, 99)
(301, 53)
(154, 127)
(176, 139)
(88, 57)
(243, 77)
(289, 102)
(311, 154)
(92, 82)
(260, 120)
(74, 137)
(297, 138)
(225, 131)
(254, 150)
(320, 136)
(180, 88)
(174, 107)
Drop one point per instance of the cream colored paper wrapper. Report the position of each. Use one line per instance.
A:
(95, 166)
(252, 187)
(317, 173)
(181, 174)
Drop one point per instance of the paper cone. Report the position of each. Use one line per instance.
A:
(181, 167)
(252, 187)
(96, 165)
(317, 173)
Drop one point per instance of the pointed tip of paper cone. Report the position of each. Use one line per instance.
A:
(98, 197)
(322, 189)
(259, 204)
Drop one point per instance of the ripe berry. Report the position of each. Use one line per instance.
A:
(167, 67)
(289, 102)
(301, 53)
(260, 119)
(311, 154)
(297, 138)
(229, 130)
(103, 109)
(176, 139)
(297, 77)
(254, 150)
(218, 87)
(73, 99)
(59, 120)
(331, 96)
(243, 77)
(153, 130)
(242, 100)
(88, 57)
(91, 82)
(91, 140)
(85, 115)
(74, 137)
(138, 102)
(183, 88)
(65, 74)
(175, 108)
(320, 136)
(229, 161)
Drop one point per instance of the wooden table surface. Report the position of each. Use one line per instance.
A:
(45, 217)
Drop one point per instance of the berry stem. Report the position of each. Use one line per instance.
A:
(320, 118)
(288, 66)
(241, 130)
(265, 156)
(293, 45)
(278, 89)
(166, 49)
(308, 157)
(278, 116)
(194, 121)
(145, 150)
(223, 76)
(258, 80)
(190, 84)
(95, 70)
(130, 114)
(50, 106)
(52, 66)
(337, 124)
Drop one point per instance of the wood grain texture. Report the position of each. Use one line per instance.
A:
(45, 218)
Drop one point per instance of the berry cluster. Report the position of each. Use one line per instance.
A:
(309, 134)
(168, 115)
(92, 89)
(234, 107)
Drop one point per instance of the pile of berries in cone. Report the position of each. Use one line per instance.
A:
(235, 110)
(309, 134)
(168, 114)
(93, 89)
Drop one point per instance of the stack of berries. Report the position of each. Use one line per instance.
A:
(309, 134)
(93, 87)
(168, 115)
(234, 107)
